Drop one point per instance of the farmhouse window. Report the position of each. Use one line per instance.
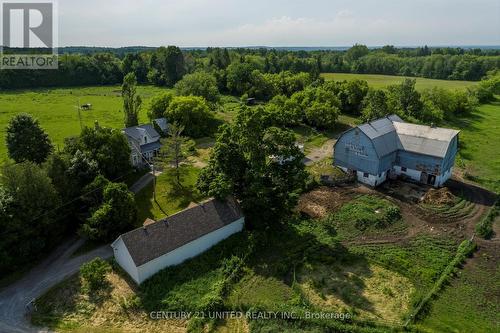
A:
(365, 175)
(403, 169)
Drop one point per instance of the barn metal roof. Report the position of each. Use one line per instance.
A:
(421, 139)
(156, 239)
(391, 133)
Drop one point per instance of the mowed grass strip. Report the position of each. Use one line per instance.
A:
(57, 110)
(382, 81)
(479, 143)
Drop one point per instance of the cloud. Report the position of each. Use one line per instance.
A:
(278, 22)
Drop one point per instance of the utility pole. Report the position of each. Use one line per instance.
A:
(79, 115)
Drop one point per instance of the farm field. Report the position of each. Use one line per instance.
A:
(57, 112)
(382, 81)
(470, 302)
(306, 265)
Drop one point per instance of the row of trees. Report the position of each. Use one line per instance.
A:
(42, 191)
(165, 66)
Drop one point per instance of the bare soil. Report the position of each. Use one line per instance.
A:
(324, 200)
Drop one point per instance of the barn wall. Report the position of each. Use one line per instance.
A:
(440, 180)
(449, 158)
(123, 258)
(424, 163)
(411, 173)
(387, 162)
(355, 151)
(189, 250)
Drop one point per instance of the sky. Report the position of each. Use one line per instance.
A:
(190, 23)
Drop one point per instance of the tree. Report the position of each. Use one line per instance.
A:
(285, 111)
(352, 94)
(159, 105)
(108, 147)
(94, 273)
(192, 113)
(116, 214)
(374, 105)
(176, 149)
(238, 76)
(82, 169)
(404, 99)
(258, 164)
(29, 223)
(356, 52)
(322, 115)
(131, 101)
(166, 66)
(199, 84)
(26, 140)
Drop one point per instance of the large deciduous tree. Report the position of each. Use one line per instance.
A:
(199, 84)
(26, 140)
(29, 221)
(374, 105)
(131, 101)
(258, 164)
(404, 99)
(108, 147)
(116, 214)
(159, 105)
(193, 113)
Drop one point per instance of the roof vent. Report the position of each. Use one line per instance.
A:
(144, 229)
(433, 125)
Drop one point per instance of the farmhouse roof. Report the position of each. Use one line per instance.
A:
(391, 133)
(156, 239)
(137, 132)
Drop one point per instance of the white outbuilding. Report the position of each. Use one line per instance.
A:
(144, 251)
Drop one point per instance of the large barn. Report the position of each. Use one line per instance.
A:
(389, 147)
(145, 251)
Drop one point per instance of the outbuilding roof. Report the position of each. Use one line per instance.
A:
(391, 133)
(156, 239)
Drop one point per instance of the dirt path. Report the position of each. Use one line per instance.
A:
(320, 153)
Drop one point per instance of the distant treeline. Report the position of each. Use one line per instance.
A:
(166, 65)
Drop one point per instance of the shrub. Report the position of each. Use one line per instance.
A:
(484, 228)
(93, 274)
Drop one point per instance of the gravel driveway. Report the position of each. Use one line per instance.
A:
(55, 268)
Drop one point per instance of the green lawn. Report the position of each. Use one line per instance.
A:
(57, 112)
(170, 197)
(479, 144)
(382, 81)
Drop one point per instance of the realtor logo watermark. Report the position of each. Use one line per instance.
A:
(29, 34)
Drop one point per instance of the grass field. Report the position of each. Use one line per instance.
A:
(382, 81)
(479, 138)
(57, 112)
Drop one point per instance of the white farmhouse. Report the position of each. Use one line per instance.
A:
(144, 141)
(145, 251)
